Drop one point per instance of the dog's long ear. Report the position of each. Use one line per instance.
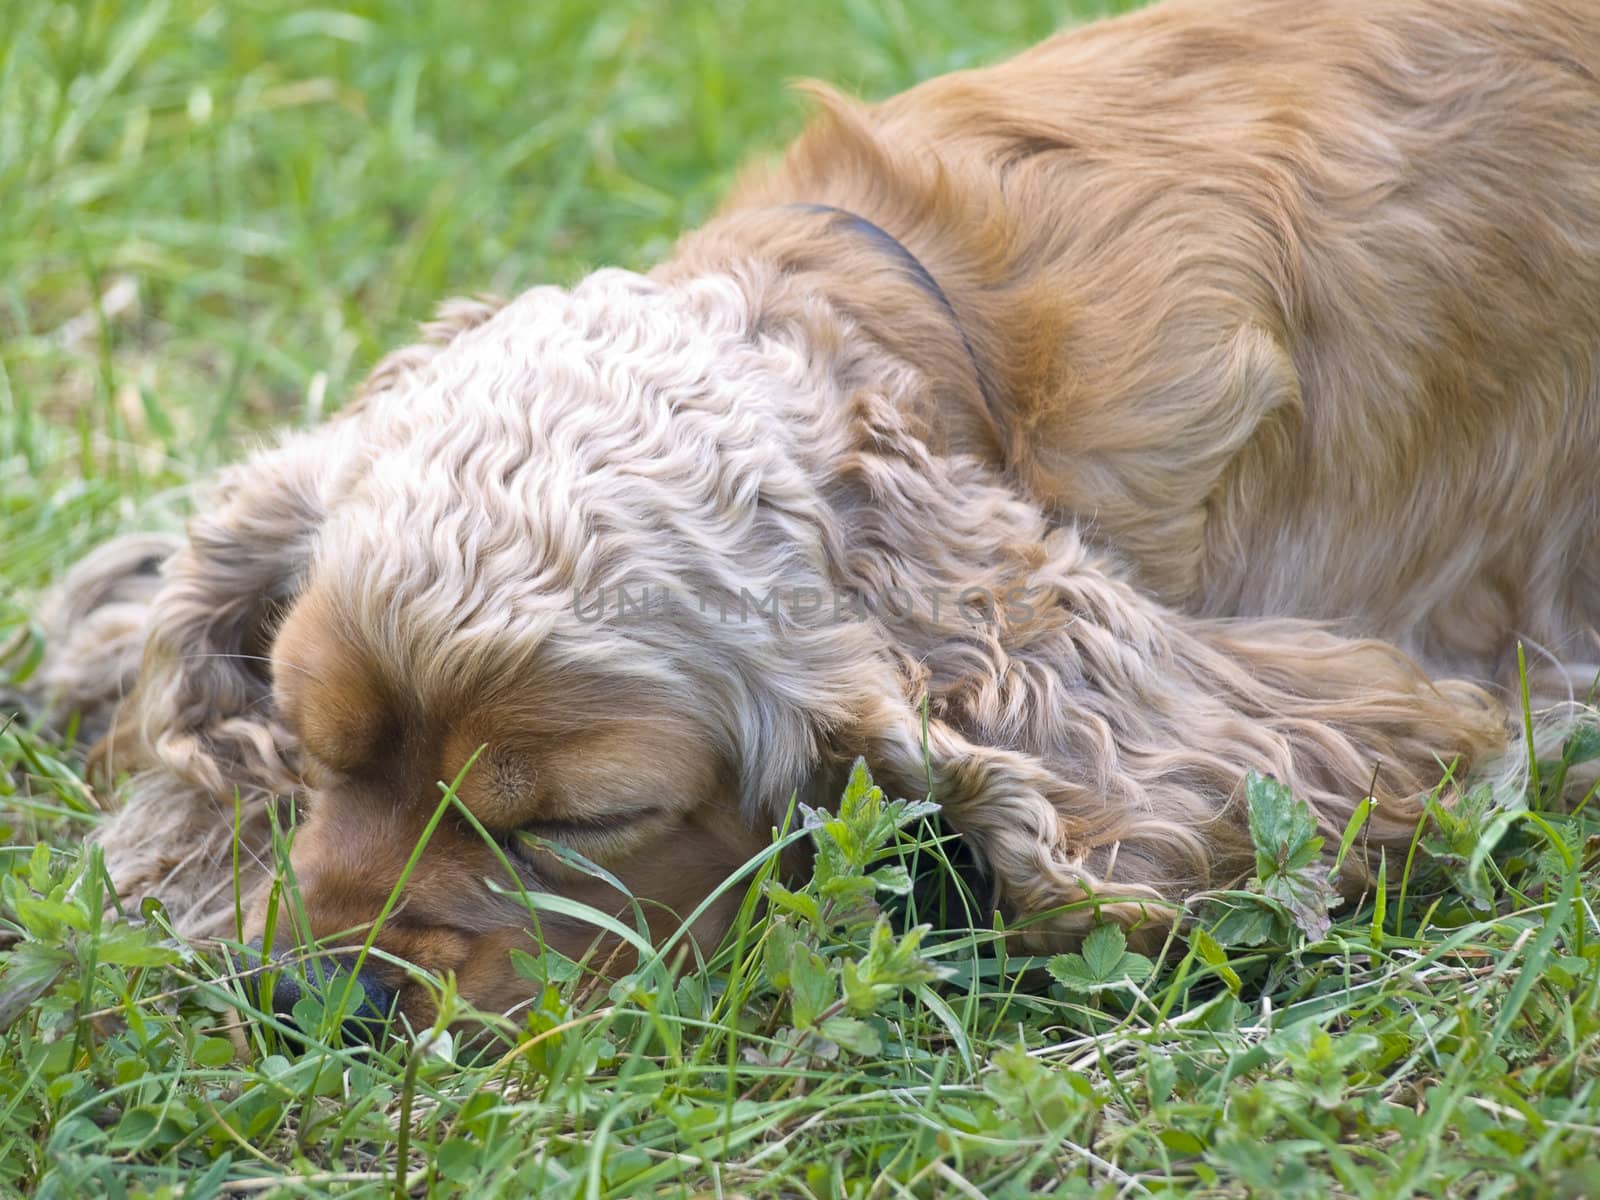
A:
(202, 707)
(94, 631)
(1039, 838)
(916, 535)
(1085, 737)
(1103, 763)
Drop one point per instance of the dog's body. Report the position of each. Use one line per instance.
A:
(1177, 329)
(1275, 299)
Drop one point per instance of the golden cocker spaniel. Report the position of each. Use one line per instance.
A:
(1208, 390)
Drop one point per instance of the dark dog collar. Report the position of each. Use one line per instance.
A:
(848, 222)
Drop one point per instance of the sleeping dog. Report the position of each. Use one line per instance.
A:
(1210, 390)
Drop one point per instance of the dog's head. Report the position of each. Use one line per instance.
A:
(518, 744)
(551, 560)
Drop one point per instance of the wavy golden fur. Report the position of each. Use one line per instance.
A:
(1256, 341)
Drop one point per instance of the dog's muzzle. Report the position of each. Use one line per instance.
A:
(331, 978)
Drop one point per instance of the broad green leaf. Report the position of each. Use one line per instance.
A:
(1582, 745)
(1242, 919)
(889, 965)
(792, 965)
(798, 903)
(893, 879)
(1282, 827)
(853, 1034)
(134, 946)
(1308, 896)
(1104, 962)
(44, 917)
(212, 1052)
(549, 966)
(811, 985)
(30, 971)
(1071, 970)
(1103, 950)
(1287, 849)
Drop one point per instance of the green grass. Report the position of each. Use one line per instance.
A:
(266, 200)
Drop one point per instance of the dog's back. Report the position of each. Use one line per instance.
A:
(1298, 305)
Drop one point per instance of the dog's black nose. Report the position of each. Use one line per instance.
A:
(367, 999)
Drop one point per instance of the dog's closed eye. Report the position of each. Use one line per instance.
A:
(572, 842)
(567, 826)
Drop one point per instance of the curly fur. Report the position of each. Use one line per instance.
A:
(94, 632)
(1273, 382)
